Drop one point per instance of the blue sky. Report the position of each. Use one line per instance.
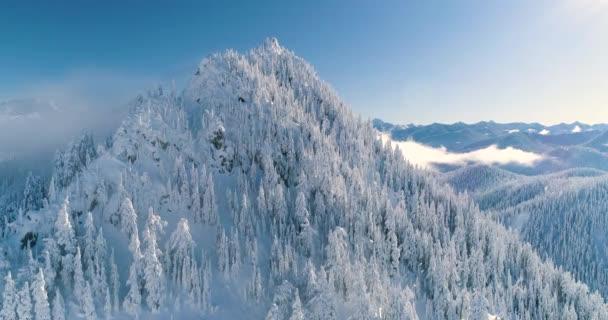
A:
(403, 61)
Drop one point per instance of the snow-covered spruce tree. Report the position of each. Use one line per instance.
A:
(58, 307)
(88, 306)
(153, 275)
(79, 281)
(99, 276)
(49, 272)
(126, 217)
(107, 306)
(24, 304)
(88, 251)
(10, 299)
(132, 302)
(222, 251)
(33, 193)
(296, 308)
(42, 309)
(179, 253)
(114, 281)
(305, 231)
(66, 243)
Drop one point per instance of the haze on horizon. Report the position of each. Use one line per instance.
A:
(404, 62)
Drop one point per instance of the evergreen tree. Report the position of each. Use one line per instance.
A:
(49, 272)
(79, 281)
(66, 242)
(179, 253)
(115, 281)
(88, 306)
(296, 308)
(88, 254)
(10, 299)
(107, 307)
(42, 310)
(58, 307)
(24, 306)
(152, 272)
(132, 302)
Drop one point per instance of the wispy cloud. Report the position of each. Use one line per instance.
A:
(425, 156)
(46, 115)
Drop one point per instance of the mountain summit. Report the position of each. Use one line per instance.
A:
(256, 193)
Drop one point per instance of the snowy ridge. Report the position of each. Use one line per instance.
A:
(256, 192)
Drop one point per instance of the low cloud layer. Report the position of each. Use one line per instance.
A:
(47, 115)
(425, 156)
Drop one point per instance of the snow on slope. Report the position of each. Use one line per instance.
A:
(256, 193)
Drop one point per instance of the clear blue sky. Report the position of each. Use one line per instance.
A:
(404, 61)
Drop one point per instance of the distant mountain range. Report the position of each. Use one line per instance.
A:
(563, 146)
(459, 137)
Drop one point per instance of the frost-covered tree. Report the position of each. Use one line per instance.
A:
(114, 281)
(179, 253)
(52, 193)
(66, 242)
(209, 206)
(79, 281)
(107, 306)
(222, 250)
(24, 306)
(132, 302)
(10, 299)
(88, 306)
(49, 272)
(88, 254)
(127, 217)
(296, 308)
(206, 286)
(58, 307)
(338, 260)
(33, 193)
(305, 231)
(234, 253)
(42, 309)
(153, 275)
(99, 276)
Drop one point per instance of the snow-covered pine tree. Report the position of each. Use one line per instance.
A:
(49, 272)
(132, 302)
(88, 306)
(42, 309)
(178, 255)
(58, 307)
(24, 305)
(153, 276)
(107, 306)
(79, 281)
(88, 251)
(10, 299)
(296, 308)
(66, 242)
(115, 282)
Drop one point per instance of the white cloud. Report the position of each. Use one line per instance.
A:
(425, 156)
(576, 129)
(544, 132)
(46, 115)
(513, 131)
